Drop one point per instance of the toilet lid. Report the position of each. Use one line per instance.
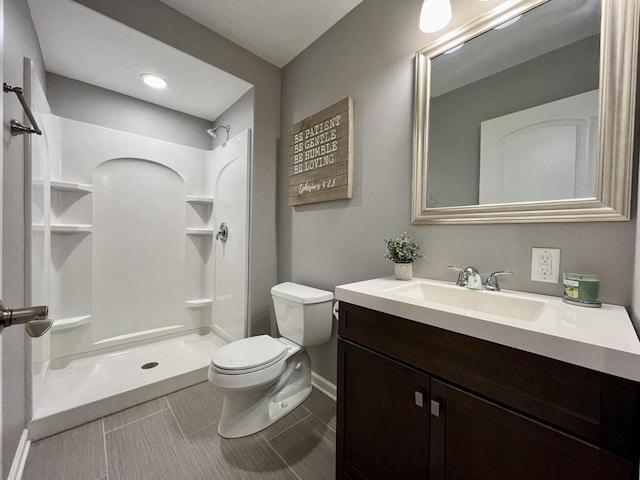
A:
(249, 353)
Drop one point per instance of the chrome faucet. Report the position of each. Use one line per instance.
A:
(35, 319)
(468, 277)
(492, 280)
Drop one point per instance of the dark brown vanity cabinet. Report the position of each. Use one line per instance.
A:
(386, 431)
(474, 439)
(416, 401)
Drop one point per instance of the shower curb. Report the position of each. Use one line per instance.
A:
(57, 422)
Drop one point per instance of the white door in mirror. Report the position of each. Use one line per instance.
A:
(547, 152)
(545, 265)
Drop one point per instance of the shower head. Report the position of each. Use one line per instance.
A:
(212, 131)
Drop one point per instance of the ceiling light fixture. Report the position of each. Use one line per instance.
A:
(508, 22)
(154, 81)
(435, 15)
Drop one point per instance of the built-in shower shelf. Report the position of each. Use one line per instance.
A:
(71, 186)
(199, 303)
(68, 229)
(196, 199)
(199, 231)
(70, 322)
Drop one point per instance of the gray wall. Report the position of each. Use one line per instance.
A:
(454, 128)
(20, 40)
(369, 55)
(239, 117)
(152, 18)
(87, 103)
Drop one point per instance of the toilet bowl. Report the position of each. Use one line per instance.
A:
(264, 378)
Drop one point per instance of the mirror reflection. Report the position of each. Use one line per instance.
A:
(513, 113)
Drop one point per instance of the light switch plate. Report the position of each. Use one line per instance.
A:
(545, 264)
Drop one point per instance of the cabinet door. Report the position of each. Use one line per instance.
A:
(472, 438)
(383, 421)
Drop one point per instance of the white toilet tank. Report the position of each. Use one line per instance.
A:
(303, 313)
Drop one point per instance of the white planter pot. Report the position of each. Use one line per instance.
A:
(403, 271)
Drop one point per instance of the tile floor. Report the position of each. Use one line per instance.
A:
(175, 437)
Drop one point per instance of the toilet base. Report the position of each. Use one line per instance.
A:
(246, 412)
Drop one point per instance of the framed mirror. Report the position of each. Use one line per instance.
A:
(527, 115)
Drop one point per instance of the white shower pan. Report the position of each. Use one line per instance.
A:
(90, 387)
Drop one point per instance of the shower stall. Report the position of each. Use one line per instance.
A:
(124, 252)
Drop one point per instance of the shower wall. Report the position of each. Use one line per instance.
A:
(138, 253)
(230, 164)
(131, 240)
(42, 148)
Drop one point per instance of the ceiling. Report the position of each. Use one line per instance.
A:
(539, 31)
(276, 30)
(82, 44)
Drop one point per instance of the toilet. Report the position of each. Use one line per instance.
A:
(264, 378)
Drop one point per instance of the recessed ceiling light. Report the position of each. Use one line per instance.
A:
(508, 22)
(154, 81)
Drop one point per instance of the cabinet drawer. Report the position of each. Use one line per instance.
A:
(590, 404)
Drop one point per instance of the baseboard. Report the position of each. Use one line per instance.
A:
(324, 385)
(20, 458)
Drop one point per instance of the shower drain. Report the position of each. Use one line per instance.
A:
(149, 365)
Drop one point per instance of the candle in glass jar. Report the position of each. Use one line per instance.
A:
(582, 288)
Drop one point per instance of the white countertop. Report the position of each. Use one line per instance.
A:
(601, 339)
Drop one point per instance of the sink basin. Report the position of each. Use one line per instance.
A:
(507, 305)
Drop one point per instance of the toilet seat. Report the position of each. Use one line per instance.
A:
(248, 355)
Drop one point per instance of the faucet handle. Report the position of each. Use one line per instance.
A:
(474, 281)
(492, 280)
(462, 275)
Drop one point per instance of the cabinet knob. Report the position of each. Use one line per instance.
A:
(435, 408)
(418, 399)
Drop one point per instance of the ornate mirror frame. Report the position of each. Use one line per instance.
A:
(620, 24)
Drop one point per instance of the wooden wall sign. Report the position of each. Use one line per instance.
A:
(321, 155)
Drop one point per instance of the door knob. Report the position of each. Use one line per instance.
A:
(35, 318)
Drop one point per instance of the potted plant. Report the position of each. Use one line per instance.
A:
(402, 251)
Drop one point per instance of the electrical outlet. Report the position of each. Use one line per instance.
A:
(545, 265)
